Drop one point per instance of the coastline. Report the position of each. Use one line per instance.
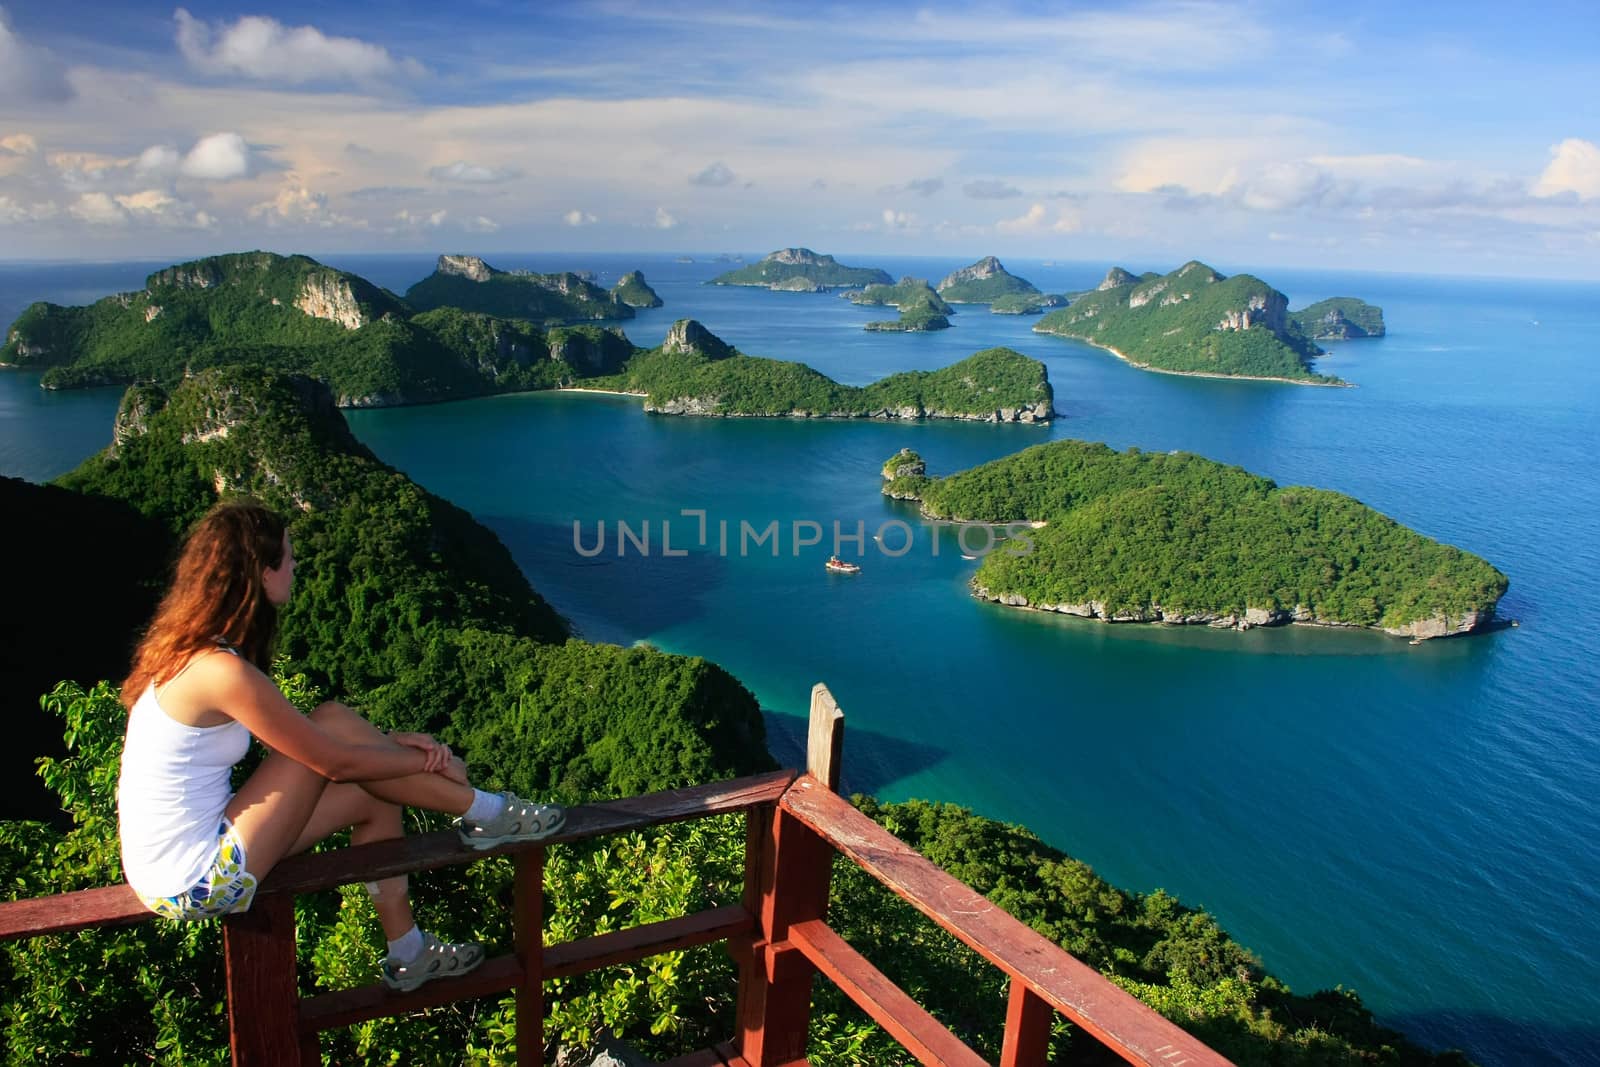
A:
(1193, 373)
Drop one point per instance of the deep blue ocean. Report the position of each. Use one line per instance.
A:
(1418, 823)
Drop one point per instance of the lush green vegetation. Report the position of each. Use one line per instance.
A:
(789, 264)
(1025, 303)
(907, 293)
(1135, 531)
(1193, 321)
(241, 310)
(1339, 318)
(983, 282)
(631, 289)
(692, 381)
(552, 299)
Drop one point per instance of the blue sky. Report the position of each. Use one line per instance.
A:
(1459, 138)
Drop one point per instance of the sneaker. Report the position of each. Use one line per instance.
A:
(436, 959)
(521, 820)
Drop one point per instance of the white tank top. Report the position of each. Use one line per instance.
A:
(174, 785)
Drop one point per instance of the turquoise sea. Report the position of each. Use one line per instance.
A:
(1418, 823)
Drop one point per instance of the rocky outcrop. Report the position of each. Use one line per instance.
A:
(688, 337)
(326, 295)
(1421, 630)
(985, 268)
(905, 463)
(797, 285)
(133, 413)
(201, 275)
(631, 289)
(469, 267)
(588, 352)
(1268, 309)
(799, 257)
(1114, 277)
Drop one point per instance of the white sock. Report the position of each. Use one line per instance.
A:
(485, 806)
(407, 945)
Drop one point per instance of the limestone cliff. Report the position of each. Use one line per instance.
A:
(327, 295)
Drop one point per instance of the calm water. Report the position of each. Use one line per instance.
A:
(1416, 823)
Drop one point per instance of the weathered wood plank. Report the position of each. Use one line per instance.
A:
(1115, 1018)
(825, 738)
(649, 939)
(263, 1001)
(528, 930)
(112, 905)
(907, 1022)
(723, 1055)
(1028, 1022)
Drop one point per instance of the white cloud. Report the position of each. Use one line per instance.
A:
(98, 209)
(418, 219)
(28, 72)
(1286, 187)
(665, 220)
(480, 224)
(717, 174)
(265, 49)
(19, 144)
(14, 211)
(1574, 168)
(578, 218)
(1028, 222)
(159, 159)
(295, 204)
(218, 157)
(898, 220)
(474, 173)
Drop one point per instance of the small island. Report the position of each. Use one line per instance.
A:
(632, 290)
(1176, 538)
(694, 372)
(801, 270)
(469, 283)
(921, 309)
(1026, 303)
(1193, 321)
(1341, 318)
(982, 283)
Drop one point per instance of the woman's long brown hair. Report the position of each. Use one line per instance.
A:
(217, 593)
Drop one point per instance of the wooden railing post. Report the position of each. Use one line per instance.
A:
(1028, 1022)
(792, 866)
(263, 1000)
(528, 929)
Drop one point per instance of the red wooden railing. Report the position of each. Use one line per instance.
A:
(778, 935)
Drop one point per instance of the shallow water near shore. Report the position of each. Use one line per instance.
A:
(1414, 822)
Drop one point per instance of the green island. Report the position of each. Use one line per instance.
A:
(291, 313)
(1193, 321)
(982, 283)
(631, 289)
(1176, 538)
(1026, 303)
(801, 270)
(410, 608)
(1339, 318)
(468, 283)
(921, 309)
(694, 372)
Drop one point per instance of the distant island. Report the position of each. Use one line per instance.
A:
(1176, 538)
(1026, 303)
(694, 372)
(1195, 321)
(983, 282)
(1341, 318)
(800, 270)
(631, 289)
(469, 283)
(291, 313)
(921, 309)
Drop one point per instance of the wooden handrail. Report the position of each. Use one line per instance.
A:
(778, 934)
(1116, 1018)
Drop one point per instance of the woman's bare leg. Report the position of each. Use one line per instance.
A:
(347, 804)
(426, 790)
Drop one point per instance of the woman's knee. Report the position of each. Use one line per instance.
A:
(331, 711)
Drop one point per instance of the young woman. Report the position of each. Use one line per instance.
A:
(192, 848)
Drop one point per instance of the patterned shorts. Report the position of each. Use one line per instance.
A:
(225, 887)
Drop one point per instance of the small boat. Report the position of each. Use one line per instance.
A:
(965, 556)
(839, 566)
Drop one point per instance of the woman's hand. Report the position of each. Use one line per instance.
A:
(438, 753)
(456, 771)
